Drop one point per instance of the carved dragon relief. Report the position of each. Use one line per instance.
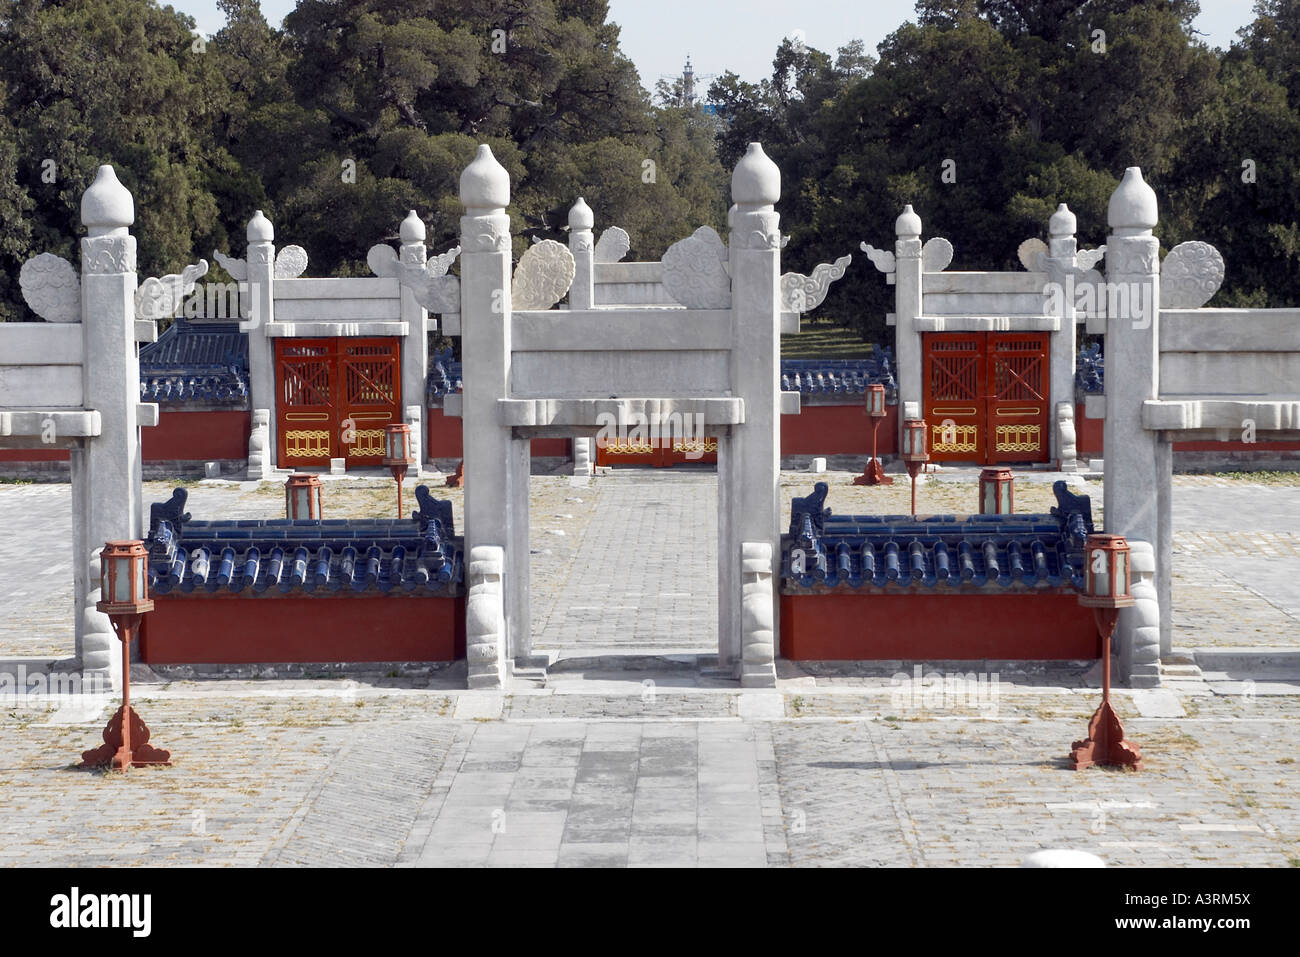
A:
(801, 293)
(51, 287)
(543, 276)
(162, 298)
(1190, 276)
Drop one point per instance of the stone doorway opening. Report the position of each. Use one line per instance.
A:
(623, 576)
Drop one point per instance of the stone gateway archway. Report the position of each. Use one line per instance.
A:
(707, 352)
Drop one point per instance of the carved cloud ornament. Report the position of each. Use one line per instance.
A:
(936, 254)
(290, 262)
(883, 259)
(613, 245)
(543, 276)
(51, 287)
(162, 298)
(1190, 276)
(1032, 253)
(237, 268)
(801, 293)
(428, 282)
(694, 272)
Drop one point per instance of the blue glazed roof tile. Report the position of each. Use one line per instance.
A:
(421, 555)
(824, 552)
(196, 363)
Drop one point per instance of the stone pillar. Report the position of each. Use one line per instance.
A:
(485, 343)
(754, 500)
(1133, 454)
(260, 258)
(106, 474)
(1061, 262)
(582, 243)
(415, 350)
(907, 309)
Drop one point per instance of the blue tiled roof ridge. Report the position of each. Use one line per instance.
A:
(1026, 551)
(420, 554)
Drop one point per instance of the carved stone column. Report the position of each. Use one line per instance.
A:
(491, 467)
(1137, 461)
(753, 462)
(907, 309)
(415, 350)
(107, 473)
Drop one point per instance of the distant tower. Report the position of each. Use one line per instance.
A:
(688, 80)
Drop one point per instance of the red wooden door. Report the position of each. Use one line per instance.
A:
(334, 397)
(954, 395)
(370, 378)
(1018, 367)
(305, 398)
(986, 396)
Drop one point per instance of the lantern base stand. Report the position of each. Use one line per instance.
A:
(457, 478)
(1105, 743)
(873, 474)
(114, 753)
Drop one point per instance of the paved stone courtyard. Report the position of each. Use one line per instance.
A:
(655, 764)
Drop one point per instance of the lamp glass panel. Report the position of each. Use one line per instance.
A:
(1121, 574)
(1004, 492)
(122, 573)
(987, 503)
(1099, 567)
(142, 573)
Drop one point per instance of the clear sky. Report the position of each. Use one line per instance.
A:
(742, 35)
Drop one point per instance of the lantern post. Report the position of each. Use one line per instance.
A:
(873, 474)
(997, 491)
(1106, 591)
(124, 585)
(302, 496)
(914, 452)
(398, 457)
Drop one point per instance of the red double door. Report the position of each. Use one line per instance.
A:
(334, 399)
(986, 396)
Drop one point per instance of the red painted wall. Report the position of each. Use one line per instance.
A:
(226, 628)
(1087, 433)
(929, 626)
(837, 430)
(33, 455)
(197, 436)
(443, 439)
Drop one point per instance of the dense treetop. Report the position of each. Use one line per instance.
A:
(984, 114)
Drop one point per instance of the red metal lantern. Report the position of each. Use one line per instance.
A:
(874, 474)
(1106, 573)
(997, 491)
(302, 496)
(914, 452)
(124, 579)
(124, 586)
(1106, 591)
(914, 448)
(875, 398)
(398, 457)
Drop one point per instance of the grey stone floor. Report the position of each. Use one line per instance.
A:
(660, 767)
